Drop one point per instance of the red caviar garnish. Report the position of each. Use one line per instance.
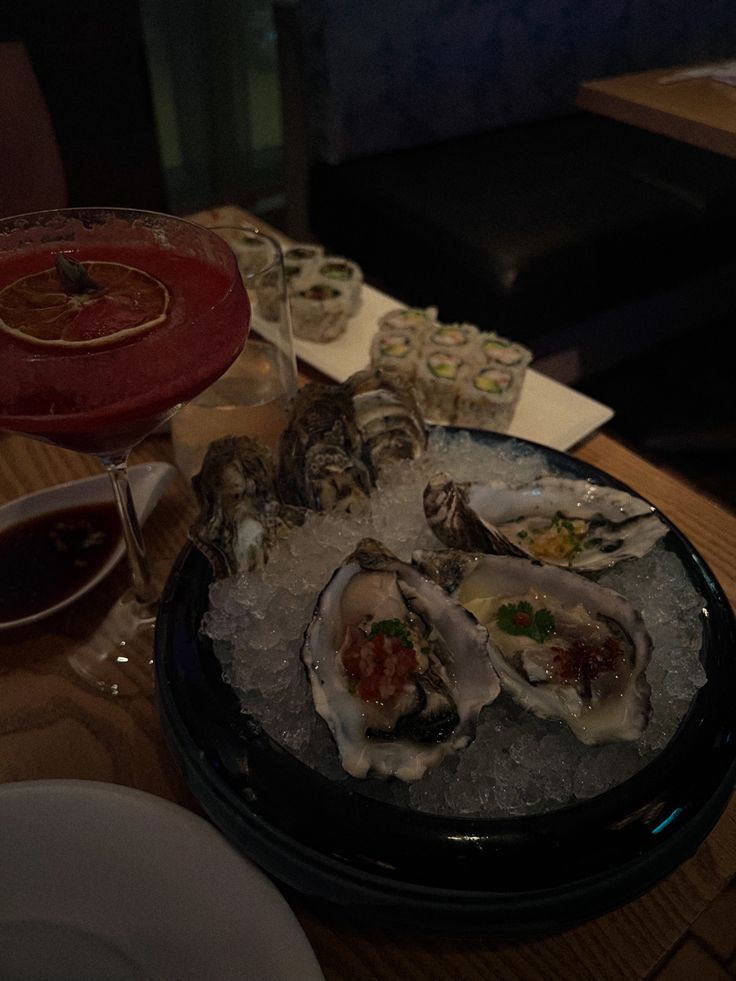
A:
(379, 666)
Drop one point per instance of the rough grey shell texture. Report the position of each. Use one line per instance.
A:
(435, 712)
(387, 416)
(572, 523)
(322, 465)
(589, 673)
(338, 439)
(240, 516)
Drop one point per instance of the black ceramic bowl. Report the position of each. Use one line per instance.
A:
(479, 877)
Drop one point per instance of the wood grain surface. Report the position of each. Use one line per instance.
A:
(700, 111)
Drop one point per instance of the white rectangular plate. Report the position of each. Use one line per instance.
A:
(548, 412)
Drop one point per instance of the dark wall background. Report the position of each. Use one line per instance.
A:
(91, 64)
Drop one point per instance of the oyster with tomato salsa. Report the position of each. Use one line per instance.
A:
(576, 524)
(399, 670)
(564, 647)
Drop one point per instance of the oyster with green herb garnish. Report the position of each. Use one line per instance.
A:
(576, 524)
(564, 647)
(398, 669)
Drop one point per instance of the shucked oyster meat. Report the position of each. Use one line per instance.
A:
(571, 523)
(564, 647)
(398, 669)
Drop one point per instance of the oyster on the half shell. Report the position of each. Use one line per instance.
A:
(564, 647)
(398, 669)
(572, 523)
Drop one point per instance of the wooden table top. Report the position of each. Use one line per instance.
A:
(700, 111)
(52, 725)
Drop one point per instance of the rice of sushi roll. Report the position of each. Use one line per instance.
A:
(437, 383)
(252, 253)
(464, 336)
(269, 296)
(319, 312)
(396, 347)
(410, 317)
(347, 275)
(501, 351)
(301, 262)
(487, 396)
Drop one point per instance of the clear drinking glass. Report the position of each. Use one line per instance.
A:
(253, 397)
(110, 320)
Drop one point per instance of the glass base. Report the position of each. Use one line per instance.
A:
(118, 659)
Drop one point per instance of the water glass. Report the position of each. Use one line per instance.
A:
(253, 397)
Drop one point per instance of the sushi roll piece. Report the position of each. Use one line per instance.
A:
(412, 317)
(464, 337)
(301, 262)
(345, 274)
(437, 382)
(503, 352)
(252, 254)
(268, 295)
(319, 312)
(487, 397)
(396, 348)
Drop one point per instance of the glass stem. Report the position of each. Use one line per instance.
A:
(143, 588)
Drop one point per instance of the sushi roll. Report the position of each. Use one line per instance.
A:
(319, 312)
(487, 397)
(301, 262)
(503, 352)
(396, 347)
(252, 254)
(412, 317)
(269, 295)
(345, 274)
(464, 337)
(438, 378)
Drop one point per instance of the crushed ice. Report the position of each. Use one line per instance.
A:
(518, 763)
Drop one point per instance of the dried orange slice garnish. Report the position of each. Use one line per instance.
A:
(124, 302)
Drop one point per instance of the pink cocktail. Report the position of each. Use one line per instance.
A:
(111, 320)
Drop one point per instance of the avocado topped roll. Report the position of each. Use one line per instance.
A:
(345, 274)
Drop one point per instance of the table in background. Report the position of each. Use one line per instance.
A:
(700, 111)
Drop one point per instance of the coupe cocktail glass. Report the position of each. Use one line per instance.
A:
(110, 320)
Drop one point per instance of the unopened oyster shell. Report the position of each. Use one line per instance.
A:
(387, 415)
(572, 523)
(398, 669)
(564, 647)
(240, 515)
(321, 459)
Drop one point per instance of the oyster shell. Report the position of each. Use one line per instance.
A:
(399, 716)
(240, 516)
(321, 458)
(564, 647)
(572, 523)
(387, 415)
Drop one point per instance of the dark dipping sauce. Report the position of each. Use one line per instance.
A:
(48, 558)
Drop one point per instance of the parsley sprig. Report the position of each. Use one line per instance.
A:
(392, 628)
(521, 619)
